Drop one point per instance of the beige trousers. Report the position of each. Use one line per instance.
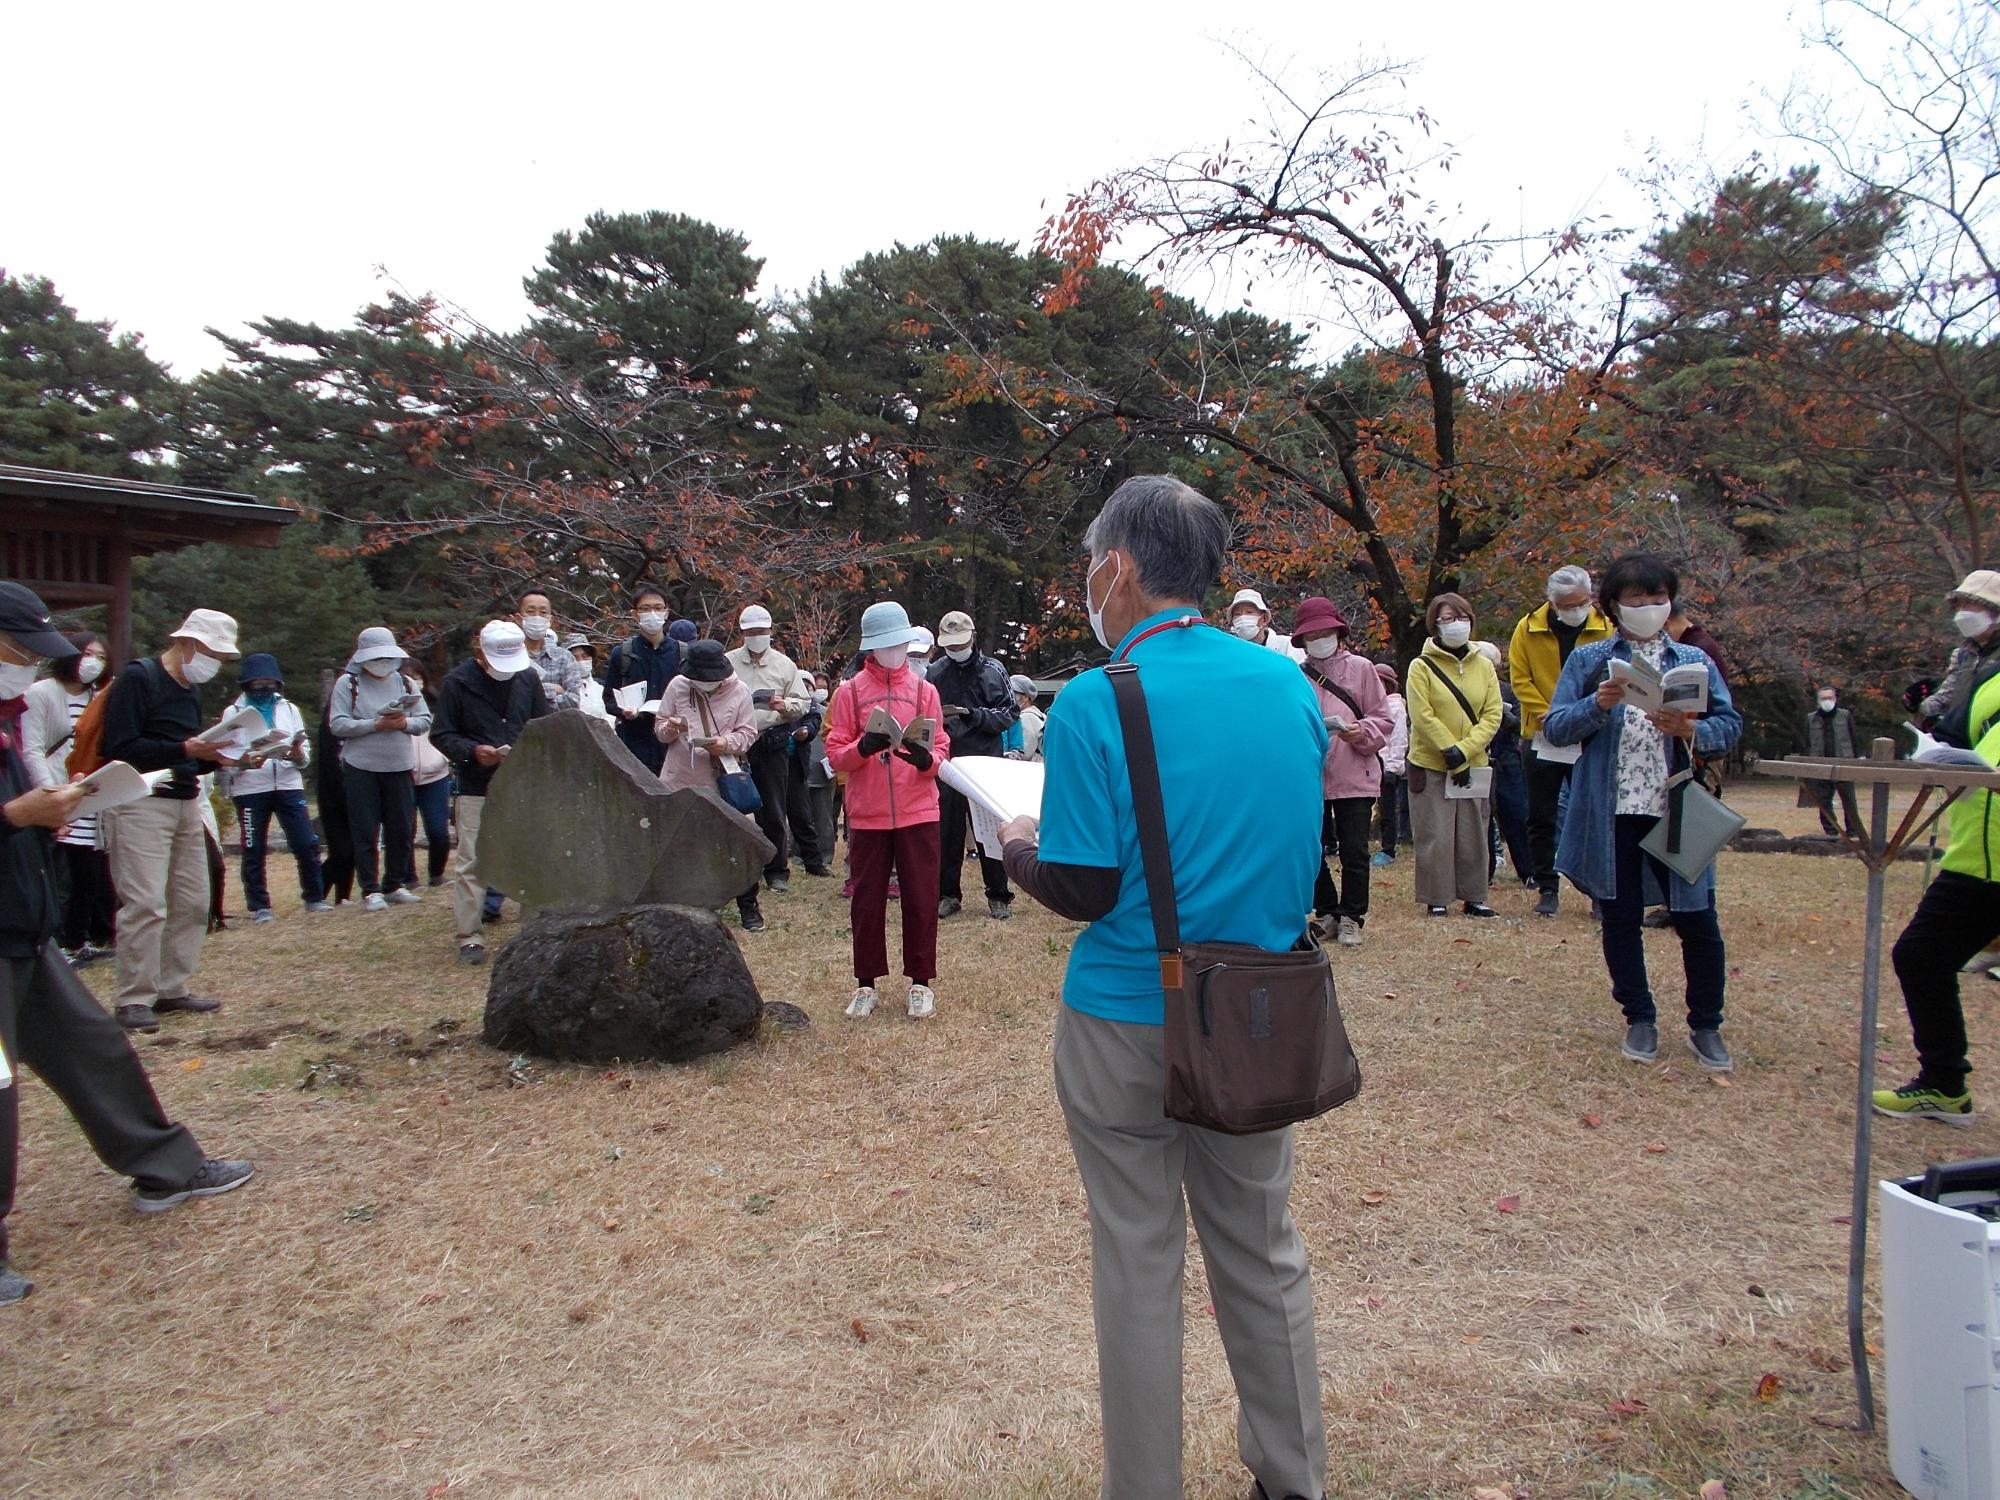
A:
(159, 863)
(1450, 837)
(1144, 1173)
(468, 891)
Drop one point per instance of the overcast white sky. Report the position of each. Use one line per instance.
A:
(179, 166)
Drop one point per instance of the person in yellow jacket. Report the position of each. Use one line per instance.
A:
(1453, 695)
(1958, 917)
(1542, 642)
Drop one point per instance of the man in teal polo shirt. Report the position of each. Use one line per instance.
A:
(1244, 837)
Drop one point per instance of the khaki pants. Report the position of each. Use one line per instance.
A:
(1450, 838)
(1143, 1173)
(159, 863)
(468, 891)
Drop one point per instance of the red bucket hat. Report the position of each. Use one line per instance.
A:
(1315, 613)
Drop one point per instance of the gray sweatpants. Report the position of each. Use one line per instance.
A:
(1140, 1169)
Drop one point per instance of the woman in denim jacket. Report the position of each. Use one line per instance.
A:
(1619, 791)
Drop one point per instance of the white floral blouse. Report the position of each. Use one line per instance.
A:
(1642, 749)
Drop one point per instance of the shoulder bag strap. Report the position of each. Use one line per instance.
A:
(1142, 765)
(1450, 687)
(1342, 693)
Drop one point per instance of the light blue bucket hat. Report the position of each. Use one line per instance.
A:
(887, 624)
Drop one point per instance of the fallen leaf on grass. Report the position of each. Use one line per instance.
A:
(610, 1226)
(1842, 1219)
(1656, 1148)
(1006, 1432)
(1374, 1196)
(192, 1065)
(1713, 1490)
(1373, 1304)
(947, 1288)
(1488, 1492)
(1470, 1338)
(1768, 1387)
(858, 1330)
(1511, 1204)
(1631, 1406)
(1720, 1082)
(1590, 1122)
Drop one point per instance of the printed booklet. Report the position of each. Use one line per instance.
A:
(1683, 688)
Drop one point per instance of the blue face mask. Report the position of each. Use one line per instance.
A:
(261, 696)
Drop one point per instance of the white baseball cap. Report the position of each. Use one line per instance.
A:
(756, 617)
(1250, 596)
(504, 647)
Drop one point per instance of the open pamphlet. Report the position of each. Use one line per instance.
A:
(116, 783)
(996, 789)
(1555, 755)
(236, 730)
(1931, 751)
(1480, 786)
(632, 698)
(1683, 688)
(916, 732)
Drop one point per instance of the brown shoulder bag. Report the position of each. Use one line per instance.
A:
(1254, 1039)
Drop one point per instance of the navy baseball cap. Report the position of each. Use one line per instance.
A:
(26, 619)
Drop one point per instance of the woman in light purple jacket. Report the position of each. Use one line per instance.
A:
(1356, 712)
(706, 715)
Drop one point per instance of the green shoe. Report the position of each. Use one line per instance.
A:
(1919, 1101)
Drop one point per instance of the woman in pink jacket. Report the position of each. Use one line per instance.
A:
(706, 714)
(1356, 711)
(892, 806)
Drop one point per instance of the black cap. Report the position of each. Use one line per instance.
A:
(26, 619)
(708, 662)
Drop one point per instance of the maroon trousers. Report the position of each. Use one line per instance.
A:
(911, 854)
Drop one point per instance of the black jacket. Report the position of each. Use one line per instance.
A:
(148, 719)
(473, 710)
(27, 893)
(979, 686)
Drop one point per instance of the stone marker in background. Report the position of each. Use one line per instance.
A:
(573, 820)
(665, 983)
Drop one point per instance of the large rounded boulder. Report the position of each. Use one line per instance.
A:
(643, 982)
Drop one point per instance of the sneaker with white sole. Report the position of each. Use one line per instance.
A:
(212, 1177)
(863, 1004)
(319, 906)
(402, 895)
(1919, 1100)
(923, 1001)
(1349, 935)
(375, 902)
(263, 914)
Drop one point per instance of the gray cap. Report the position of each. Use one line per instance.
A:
(1017, 684)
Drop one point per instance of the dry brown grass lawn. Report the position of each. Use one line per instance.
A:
(852, 1262)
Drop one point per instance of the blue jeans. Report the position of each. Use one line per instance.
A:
(1510, 815)
(254, 812)
(434, 809)
(1702, 959)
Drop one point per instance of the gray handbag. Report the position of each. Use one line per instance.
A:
(1697, 827)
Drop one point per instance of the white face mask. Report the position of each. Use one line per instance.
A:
(1454, 633)
(1826, 702)
(1321, 649)
(90, 669)
(889, 658)
(15, 679)
(1096, 611)
(959, 653)
(711, 687)
(756, 645)
(1644, 621)
(819, 697)
(652, 621)
(1246, 627)
(198, 669)
(534, 627)
(1972, 622)
(1573, 617)
(372, 668)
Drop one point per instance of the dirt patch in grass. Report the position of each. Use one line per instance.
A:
(850, 1261)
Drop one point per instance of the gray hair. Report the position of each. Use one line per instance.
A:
(1568, 579)
(1176, 535)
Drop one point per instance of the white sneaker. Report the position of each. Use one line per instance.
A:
(375, 903)
(863, 1003)
(1350, 933)
(263, 914)
(923, 1001)
(402, 895)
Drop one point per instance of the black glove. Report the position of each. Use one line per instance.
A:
(1462, 778)
(916, 755)
(1916, 692)
(1454, 759)
(873, 744)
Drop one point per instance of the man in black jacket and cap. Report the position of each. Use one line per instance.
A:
(482, 707)
(48, 1020)
(977, 707)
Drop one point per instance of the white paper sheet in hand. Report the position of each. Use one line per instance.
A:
(1481, 785)
(114, 784)
(239, 729)
(1556, 755)
(997, 790)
